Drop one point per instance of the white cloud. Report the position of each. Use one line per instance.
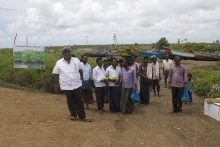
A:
(1, 33)
(133, 21)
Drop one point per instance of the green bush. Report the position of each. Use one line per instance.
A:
(205, 78)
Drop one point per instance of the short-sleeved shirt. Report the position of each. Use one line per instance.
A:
(190, 85)
(69, 76)
(111, 72)
(167, 64)
(98, 75)
(87, 71)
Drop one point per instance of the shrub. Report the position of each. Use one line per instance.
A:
(215, 91)
(205, 79)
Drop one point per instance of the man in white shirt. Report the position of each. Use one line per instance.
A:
(167, 63)
(100, 83)
(113, 73)
(86, 83)
(68, 72)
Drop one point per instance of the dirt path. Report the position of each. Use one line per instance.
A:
(36, 119)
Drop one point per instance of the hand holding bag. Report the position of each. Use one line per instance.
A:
(135, 97)
(185, 96)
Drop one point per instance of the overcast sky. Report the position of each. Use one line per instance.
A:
(56, 22)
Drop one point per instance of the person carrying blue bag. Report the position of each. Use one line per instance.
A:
(128, 83)
(177, 80)
(185, 96)
(135, 97)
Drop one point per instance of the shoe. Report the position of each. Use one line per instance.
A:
(179, 113)
(171, 112)
(100, 112)
(72, 118)
(86, 119)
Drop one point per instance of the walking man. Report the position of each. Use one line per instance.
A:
(177, 80)
(68, 72)
(113, 72)
(128, 82)
(166, 64)
(100, 83)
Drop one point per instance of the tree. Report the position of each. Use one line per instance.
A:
(162, 42)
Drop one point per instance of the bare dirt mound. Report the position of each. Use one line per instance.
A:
(38, 119)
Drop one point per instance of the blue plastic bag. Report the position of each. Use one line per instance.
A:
(135, 97)
(185, 96)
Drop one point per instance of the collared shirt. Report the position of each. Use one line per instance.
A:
(167, 64)
(143, 70)
(128, 77)
(177, 76)
(87, 71)
(190, 85)
(111, 72)
(105, 67)
(98, 75)
(69, 76)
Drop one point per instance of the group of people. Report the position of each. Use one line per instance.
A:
(114, 81)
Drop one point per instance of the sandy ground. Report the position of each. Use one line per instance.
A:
(38, 119)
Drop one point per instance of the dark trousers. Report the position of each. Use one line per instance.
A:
(114, 97)
(75, 102)
(106, 98)
(190, 96)
(176, 98)
(166, 76)
(100, 94)
(86, 95)
(145, 92)
(156, 83)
